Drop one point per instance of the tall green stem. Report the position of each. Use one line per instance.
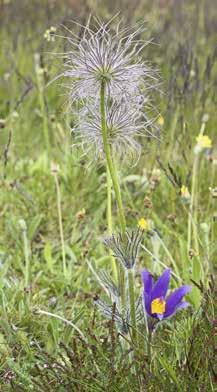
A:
(110, 161)
(132, 303)
(113, 173)
(109, 201)
(109, 219)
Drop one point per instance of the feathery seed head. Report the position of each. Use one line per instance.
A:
(125, 248)
(123, 124)
(105, 54)
(104, 57)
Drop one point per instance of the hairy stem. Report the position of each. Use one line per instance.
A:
(149, 349)
(110, 161)
(132, 303)
(109, 219)
(109, 201)
(113, 173)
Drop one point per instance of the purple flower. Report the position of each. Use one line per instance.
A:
(156, 303)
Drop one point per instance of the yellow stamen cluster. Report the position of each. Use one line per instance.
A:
(143, 224)
(185, 192)
(158, 306)
(203, 141)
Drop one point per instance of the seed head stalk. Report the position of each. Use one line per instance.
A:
(109, 201)
(113, 173)
(110, 161)
(131, 283)
(109, 219)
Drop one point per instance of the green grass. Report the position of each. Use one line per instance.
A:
(39, 351)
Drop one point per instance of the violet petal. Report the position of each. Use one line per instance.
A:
(173, 302)
(161, 286)
(147, 281)
(147, 303)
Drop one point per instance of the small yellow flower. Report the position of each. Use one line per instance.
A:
(143, 224)
(203, 141)
(160, 120)
(185, 192)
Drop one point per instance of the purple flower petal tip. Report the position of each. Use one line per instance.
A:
(161, 286)
(175, 299)
(183, 305)
(147, 281)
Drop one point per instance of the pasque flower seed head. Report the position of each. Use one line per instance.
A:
(123, 123)
(104, 54)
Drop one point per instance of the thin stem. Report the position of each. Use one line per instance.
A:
(113, 173)
(27, 272)
(27, 259)
(40, 84)
(173, 262)
(193, 209)
(132, 304)
(60, 223)
(110, 161)
(149, 349)
(192, 216)
(109, 201)
(39, 311)
(109, 219)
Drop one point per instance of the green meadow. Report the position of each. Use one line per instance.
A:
(58, 325)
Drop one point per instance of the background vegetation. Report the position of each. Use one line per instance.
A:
(43, 351)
